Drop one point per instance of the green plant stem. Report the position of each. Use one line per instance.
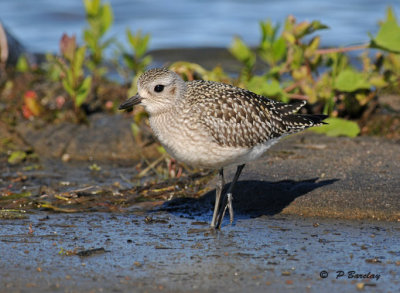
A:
(342, 50)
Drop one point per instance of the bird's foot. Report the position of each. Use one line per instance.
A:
(229, 207)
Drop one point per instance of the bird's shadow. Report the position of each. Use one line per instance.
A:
(252, 198)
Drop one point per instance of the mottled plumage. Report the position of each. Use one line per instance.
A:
(213, 125)
(240, 118)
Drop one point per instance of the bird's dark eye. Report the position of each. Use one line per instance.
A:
(158, 88)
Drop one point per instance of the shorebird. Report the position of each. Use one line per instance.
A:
(214, 125)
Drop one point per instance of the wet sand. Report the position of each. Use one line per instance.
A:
(170, 252)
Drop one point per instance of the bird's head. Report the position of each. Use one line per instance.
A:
(158, 90)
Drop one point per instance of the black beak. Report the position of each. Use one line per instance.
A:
(129, 103)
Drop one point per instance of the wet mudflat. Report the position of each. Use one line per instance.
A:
(162, 251)
(315, 214)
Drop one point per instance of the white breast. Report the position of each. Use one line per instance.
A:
(195, 147)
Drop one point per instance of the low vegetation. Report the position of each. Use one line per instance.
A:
(288, 63)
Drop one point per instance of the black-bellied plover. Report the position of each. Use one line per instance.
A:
(213, 125)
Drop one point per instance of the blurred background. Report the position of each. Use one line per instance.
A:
(191, 23)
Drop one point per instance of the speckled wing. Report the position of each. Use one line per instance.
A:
(239, 118)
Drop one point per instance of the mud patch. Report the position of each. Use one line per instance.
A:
(72, 187)
(269, 253)
(103, 138)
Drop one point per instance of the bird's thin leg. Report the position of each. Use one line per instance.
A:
(218, 192)
(230, 206)
(227, 203)
(229, 195)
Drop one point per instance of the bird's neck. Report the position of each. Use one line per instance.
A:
(163, 119)
(166, 126)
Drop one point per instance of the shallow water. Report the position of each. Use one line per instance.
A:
(183, 23)
(170, 252)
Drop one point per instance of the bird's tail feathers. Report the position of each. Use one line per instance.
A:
(297, 122)
(289, 109)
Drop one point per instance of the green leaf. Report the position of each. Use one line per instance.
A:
(128, 59)
(138, 43)
(91, 6)
(242, 53)
(275, 71)
(53, 67)
(161, 150)
(279, 49)
(297, 57)
(289, 37)
(378, 81)
(390, 16)
(142, 46)
(131, 39)
(268, 31)
(260, 85)
(300, 29)
(16, 157)
(289, 23)
(87, 4)
(338, 127)
(69, 77)
(312, 47)
(78, 61)
(316, 25)
(305, 28)
(90, 39)
(68, 88)
(147, 60)
(83, 91)
(107, 17)
(350, 80)
(22, 64)
(108, 42)
(388, 37)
